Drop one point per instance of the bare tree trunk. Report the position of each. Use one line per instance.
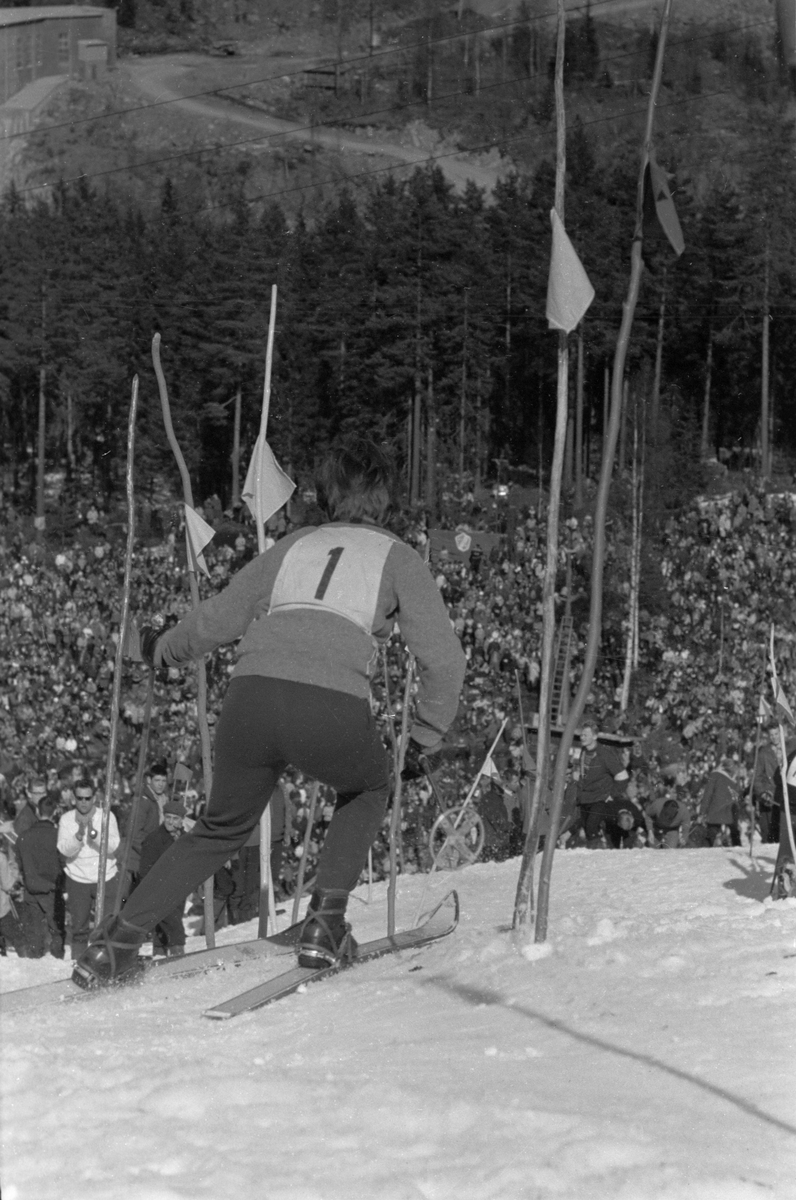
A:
(40, 441)
(236, 451)
(705, 444)
(656, 385)
(507, 334)
(463, 402)
(414, 489)
(40, 446)
(632, 608)
(765, 448)
(579, 423)
(568, 455)
(70, 432)
(431, 447)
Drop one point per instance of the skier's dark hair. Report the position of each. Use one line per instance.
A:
(355, 481)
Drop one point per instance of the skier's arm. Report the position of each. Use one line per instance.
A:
(426, 628)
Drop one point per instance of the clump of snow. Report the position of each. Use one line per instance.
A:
(534, 951)
(644, 1052)
(606, 931)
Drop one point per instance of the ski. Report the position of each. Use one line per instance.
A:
(196, 962)
(441, 921)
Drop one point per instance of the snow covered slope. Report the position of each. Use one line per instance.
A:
(648, 1050)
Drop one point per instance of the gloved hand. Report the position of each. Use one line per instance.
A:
(413, 767)
(148, 637)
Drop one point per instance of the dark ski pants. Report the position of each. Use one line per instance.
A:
(43, 922)
(80, 898)
(169, 932)
(265, 725)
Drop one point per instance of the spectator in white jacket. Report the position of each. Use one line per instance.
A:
(79, 843)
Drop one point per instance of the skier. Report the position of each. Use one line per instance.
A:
(311, 613)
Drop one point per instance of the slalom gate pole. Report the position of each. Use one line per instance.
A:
(124, 618)
(201, 671)
(138, 790)
(784, 763)
(601, 504)
(750, 796)
(395, 817)
(523, 900)
(467, 800)
(267, 898)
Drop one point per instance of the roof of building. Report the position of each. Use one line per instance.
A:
(51, 12)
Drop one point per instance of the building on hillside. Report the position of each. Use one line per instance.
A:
(72, 41)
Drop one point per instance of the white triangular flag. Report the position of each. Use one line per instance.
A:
(267, 487)
(489, 770)
(569, 292)
(198, 534)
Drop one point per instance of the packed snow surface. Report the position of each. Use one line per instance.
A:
(646, 1050)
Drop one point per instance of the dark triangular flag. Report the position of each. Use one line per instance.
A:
(659, 210)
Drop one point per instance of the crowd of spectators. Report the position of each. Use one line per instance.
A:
(725, 576)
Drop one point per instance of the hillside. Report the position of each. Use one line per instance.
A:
(436, 84)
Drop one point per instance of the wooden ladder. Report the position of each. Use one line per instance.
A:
(559, 701)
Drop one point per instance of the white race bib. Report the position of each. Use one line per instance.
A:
(336, 570)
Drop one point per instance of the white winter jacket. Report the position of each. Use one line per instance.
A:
(82, 857)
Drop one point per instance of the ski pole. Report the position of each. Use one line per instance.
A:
(139, 790)
(110, 767)
(307, 838)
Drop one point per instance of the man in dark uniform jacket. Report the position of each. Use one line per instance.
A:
(42, 874)
(604, 776)
(169, 934)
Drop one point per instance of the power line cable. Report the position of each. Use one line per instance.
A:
(432, 158)
(298, 130)
(369, 58)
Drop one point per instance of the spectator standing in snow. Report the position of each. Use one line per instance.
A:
(79, 843)
(169, 934)
(719, 807)
(42, 875)
(28, 811)
(148, 819)
(11, 931)
(156, 789)
(763, 788)
(603, 776)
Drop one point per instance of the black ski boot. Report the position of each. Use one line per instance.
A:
(111, 955)
(326, 935)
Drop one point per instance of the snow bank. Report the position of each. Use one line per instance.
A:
(645, 1051)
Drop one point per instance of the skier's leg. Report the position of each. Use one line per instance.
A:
(247, 766)
(339, 744)
(245, 770)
